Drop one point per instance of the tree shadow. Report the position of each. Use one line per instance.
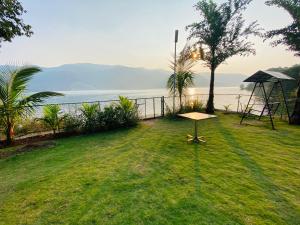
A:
(285, 209)
(197, 149)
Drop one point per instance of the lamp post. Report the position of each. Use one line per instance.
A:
(175, 65)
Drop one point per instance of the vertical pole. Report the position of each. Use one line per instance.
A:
(285, 102)
(196, 131)
(262, 112)
(145, 108)
(244, 114)
(175, 65)
(153, 107)
(163, 106)
(238, 106)
(268, 106)
(136, 107)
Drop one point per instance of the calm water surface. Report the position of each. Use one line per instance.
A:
(148, 107)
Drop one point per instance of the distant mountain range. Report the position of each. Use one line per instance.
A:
(74, 77)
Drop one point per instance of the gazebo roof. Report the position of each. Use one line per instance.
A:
(268, 76)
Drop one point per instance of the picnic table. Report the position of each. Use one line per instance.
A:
(196, 116)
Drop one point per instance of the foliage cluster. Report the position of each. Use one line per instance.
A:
(195, 105)
(93, 119)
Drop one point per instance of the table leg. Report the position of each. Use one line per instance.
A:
(196, 138)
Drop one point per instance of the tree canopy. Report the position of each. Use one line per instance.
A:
(289, 35)
(11, 23)
(222, 30)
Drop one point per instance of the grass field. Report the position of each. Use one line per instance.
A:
(150, 175)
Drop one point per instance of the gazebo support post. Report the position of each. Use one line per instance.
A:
(267, 104)
(262, 112)
(245, 111)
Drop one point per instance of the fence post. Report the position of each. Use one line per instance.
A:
(163, 106)
(153, 99)
(238, 106)
(145, 108)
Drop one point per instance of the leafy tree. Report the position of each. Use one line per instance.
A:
(52, 117)
(222, 33)
(11, 23)
(184, 75)
(289, 36)
(13, 102)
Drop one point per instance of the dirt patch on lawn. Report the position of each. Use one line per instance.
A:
(149, 122)
(5, 153)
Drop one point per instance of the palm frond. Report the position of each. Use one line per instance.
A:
(19, 80)
(28, 103)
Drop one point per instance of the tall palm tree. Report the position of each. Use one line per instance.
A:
(184, 75)
(223, 33)
(13, 102)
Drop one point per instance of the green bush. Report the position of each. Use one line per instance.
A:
(73, 123)
(28, 126)
(111, 117)
(127, 111)
(90, 114)
(189, 106)
(93, 119)
(192, 106)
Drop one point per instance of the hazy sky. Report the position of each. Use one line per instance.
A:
(135, 33)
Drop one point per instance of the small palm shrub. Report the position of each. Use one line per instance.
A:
(14, 103)
(91, 119)
(52, 117)
(226, 108)
(90, 114)
(127, 111)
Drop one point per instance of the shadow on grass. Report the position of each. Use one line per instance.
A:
(288, 212)
(197, 148)
(212, 214)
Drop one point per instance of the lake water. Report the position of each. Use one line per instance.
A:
(104, 95)
(150, 107)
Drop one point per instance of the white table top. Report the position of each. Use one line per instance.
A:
(197, 116)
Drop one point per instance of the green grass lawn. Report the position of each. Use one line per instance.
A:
(150, 175)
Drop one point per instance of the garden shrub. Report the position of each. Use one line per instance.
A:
(90, 114)
(189, 106)
(111, 117)
(193, 106)
(73, 123)
(29, 126)
(127, 111)
(93, 119)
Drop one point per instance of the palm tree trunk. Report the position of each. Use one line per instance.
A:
(180, 101)
(210, 103)
(295, 118)
(9, 132)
